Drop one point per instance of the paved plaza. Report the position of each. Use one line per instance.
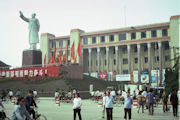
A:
(90, 111)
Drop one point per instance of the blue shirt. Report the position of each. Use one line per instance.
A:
(150, 97)
(109, 102)
(20, 112)
(128, 101)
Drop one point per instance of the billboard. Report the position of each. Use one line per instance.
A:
(144, 78)
(103, 75)
(135, 76)
(123, 77)
(94, 74)
(30, 72)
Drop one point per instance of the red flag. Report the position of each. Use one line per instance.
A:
(59, 57)
(79, 49)
(64, 58)
(49, 62)
(45, 60)
(72, 51)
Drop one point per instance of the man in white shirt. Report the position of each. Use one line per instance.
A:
(103, 104)
(77, 103)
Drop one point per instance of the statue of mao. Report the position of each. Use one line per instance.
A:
(34, 27)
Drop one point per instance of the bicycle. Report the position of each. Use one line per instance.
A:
(39, 116)
(3, 115)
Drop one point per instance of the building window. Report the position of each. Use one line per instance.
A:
(85, 41)
(133, 36)
(156, 58)
(145, 48)
(53, 44)
(125, 61)
(167, 46)
(135, 49)
(135, 60)
(146, 59)
(125, 71)
(60, 43)
(102, 39)
(164, 32)
(114, 51)
(114, 61)
(124, 50)
(93, 40)
(111, 38)
(143, 35)
(153, 33)
(122, 37)
(68, 42)
(167, 58)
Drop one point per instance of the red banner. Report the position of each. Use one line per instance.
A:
(103, 75)
(30, 72)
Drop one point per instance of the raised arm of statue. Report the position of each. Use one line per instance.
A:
(23, 17)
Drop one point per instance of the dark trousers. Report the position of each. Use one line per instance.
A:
(127, 110)
(109, 112)
(79, 113)
(31, 111)
(151, 108)
(175, 110)
(165, 106)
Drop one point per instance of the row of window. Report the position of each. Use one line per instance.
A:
(125, 60)
(52, 53)
(60, 43)
(123, 36)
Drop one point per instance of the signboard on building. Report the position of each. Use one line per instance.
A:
(123, 77)
(144, 78)
(94, 74)
(103, 75)
(135, 76)
(110, 76)
(30, 72)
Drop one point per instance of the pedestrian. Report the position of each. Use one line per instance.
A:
(141, 101)
(20, 111)
(109, 106)
(150, 97)
(174, 102)
(103, 105)
(18, 93)
(134, 94)
(164, 100)
(10, 94)
(77, 103)
(128, 101)
(30, 103)
(56, 95)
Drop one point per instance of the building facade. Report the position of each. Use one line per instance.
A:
(124, 50)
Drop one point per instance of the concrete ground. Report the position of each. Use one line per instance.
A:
(90, 111)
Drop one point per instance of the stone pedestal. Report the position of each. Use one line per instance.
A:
(31, 57)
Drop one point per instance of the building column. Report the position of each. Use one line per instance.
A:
(107, 59)
(160, 62)
(98, 59)
(139, 62)
(117, 59)
(89, 50)
(81, 60)
(149, 61)
(129, 58)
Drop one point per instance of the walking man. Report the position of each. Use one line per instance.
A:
(150, 97)
(109, 106)
(164, 100)
(128, 101)
(174, 102)
(77, 103)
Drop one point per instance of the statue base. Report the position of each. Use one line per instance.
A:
(31, 58)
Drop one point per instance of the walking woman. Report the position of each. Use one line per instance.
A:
(109, 106)
(164, 100)
(77, 103)
(141, 101)
(20, 111)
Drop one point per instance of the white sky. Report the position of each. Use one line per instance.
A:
(60, 16)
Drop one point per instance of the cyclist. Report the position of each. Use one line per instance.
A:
(20, 111)
(30, 103)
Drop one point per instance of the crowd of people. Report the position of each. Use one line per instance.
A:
(146, 99)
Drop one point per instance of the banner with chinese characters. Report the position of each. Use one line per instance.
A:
(30, 72)
(103, 75)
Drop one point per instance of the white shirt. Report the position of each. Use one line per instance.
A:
(76, 103)
(113, 93)
(104, 101)
(124, 94)
(144, 93)
(56, 94)
(10, 93)
(35, 93)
